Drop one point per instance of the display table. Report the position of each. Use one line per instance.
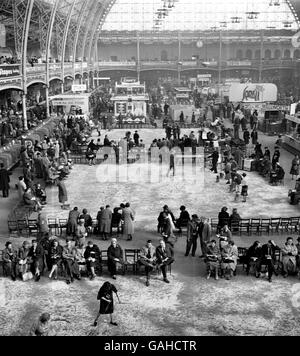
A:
(248, 165)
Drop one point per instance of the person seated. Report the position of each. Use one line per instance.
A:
(40, 194)
(165, 257)
(24, 262)
(36, 254)
(70, 262)
(289, 253)
(234, 220)
(147, 258)
(253, 257)
(115, 256)
(277, 175)
(268, 258)
(30, 200)
(88, 221)
(56, 252)
(225, 232)
(90, 156)
(183, 219)
(92, 258)
(229, 255)
(265, 167)
(9, 258)
(116, 220)
(212, 259)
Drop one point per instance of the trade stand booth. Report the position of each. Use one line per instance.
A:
(69, 103)
(130, 102)
(291, 138)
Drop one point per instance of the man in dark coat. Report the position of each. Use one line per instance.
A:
(246, 136)
(62, 191)
(268, 259)
(215, 160)
(4, 181)
(136, 138)
(92, 258)
(115, 255)
(165, 257)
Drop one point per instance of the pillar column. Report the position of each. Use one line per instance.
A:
(25, 125)
(138, 56)
(47, 101)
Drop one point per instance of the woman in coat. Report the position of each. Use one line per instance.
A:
(128, 217)
(229, 254)
(105, 222)
(289, 253)
(55, 257)
(295, 167)
(73, 221)
(62, 191)
(105, 295)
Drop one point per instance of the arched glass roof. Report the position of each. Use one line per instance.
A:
(200, 15)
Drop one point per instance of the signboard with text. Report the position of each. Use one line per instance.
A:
(9, 70)
(253, 93)
(78, 87)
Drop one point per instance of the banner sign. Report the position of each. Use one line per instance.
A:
(238, 63)
(253, 93)
(79, 87)
(9, 70)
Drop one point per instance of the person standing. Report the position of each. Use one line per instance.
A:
(205, 236)
(21, 187)
(72, 222)
(105, 295)
(148, 259)
(295, 167)
(105, 225)
(236, 126)
(4, 181)
(128, 218)
(62, 191)
(246, 136)
(192, 235)
(254, 137)
(136, 139)
(215, 160)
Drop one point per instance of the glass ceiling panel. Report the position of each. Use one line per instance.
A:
(199, 15)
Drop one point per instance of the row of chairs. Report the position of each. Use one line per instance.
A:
(260, 226)
(131, 258)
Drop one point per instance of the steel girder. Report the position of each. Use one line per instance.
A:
(94, 13)
(95, 38)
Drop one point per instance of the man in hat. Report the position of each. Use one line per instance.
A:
(192, 235)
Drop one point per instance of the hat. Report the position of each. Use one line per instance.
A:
(195, 216)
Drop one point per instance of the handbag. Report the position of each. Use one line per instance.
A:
(27, 276)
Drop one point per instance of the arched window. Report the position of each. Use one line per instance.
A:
(297, 54)
(249, 54)
(287, 54)
(257, 54)
(268, 54)
(164, 55)
(277, 54)
(239, 54)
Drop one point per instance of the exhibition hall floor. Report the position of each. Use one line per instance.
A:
(190, 305)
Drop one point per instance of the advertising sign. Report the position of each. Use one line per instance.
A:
(78, 87)
(253, 93)
(9, 70)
